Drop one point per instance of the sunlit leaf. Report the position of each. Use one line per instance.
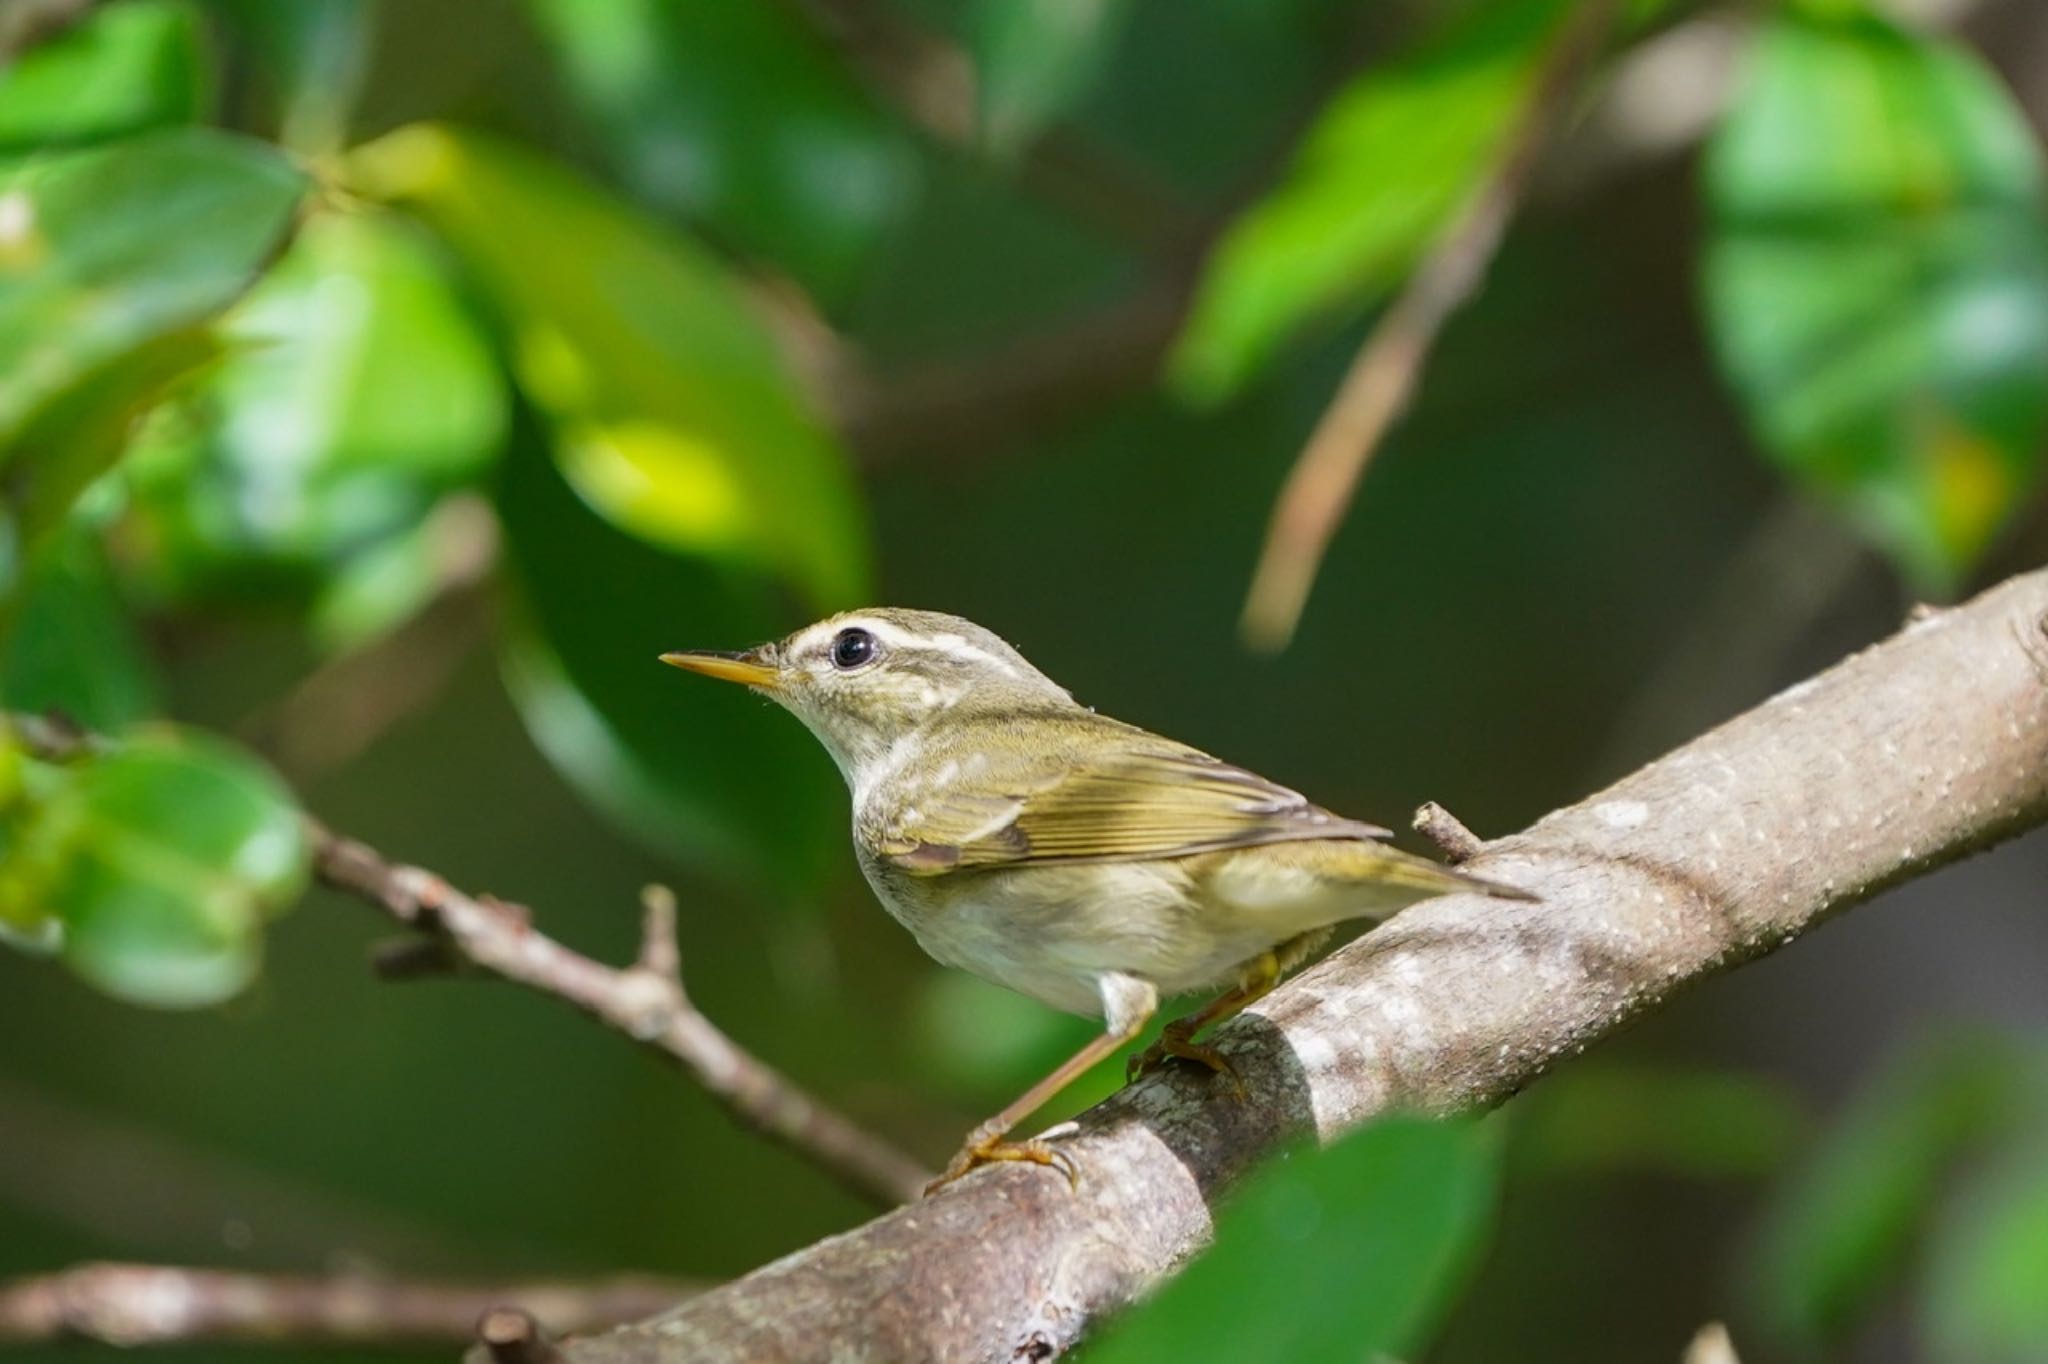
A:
(1599, 1119)
(674, 414)
(1877, 282)
(1986, 1292)
(1350, 1253)
(1840, 1231)
(736, 117)
(69, 646)
(104, 250)
(1035, 58)
(158, 863)
(1383, 170)
(356, 393)
(696, 769)
(122, 68)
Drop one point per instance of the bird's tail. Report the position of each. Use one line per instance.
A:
(1406, 877)
(1435, 878)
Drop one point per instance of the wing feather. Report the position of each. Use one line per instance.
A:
(1142, 799)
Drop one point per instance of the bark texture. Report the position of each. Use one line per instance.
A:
(1907, 756)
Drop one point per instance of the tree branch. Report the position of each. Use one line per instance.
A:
(645, 1001)
(130, 1304)
(1383, 375)
(1905, 757)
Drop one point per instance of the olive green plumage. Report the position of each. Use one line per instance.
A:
(1080, 860)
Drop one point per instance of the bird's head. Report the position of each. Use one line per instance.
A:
(863, 680)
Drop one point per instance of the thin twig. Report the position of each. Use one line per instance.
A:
(1456, 842)
(134, 1304)
(1711, 1345)
(1384, 373)
(645, 1001)
(510, 1335)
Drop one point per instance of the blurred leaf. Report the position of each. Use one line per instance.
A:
(1838, 1234)
(121, 69)
(79, 433)
(316, 53)
(69, 646)
(1986, 1295)
(694, 768)
(735, 116)
(1877, 282)
(1704, 1124)
(1034, 59)
(159, 862)
(1381, 173)
(106, 249)
(1349, 1253)
(358, 391)
(674, 416)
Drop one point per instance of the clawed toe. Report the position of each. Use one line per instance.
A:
(1177, 1044)
(990, 1150)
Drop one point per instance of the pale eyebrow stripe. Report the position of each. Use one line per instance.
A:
(952, 645)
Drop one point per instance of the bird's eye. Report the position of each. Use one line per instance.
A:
(852, 648)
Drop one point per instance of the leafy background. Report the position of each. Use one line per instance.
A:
(382, 386)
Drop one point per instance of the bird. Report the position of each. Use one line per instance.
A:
(1084, 862)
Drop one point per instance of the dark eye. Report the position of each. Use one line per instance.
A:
(852, 648)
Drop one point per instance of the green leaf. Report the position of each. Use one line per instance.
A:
(735, 116)
(80, 432)
(1986, 1292)
(1595, 1118)
(673, 413)
(1838, 1234)
(69, 646)
(1035, 59)
(356, 393)
(104, 250)
(1349, 1253)
(158, 863)
(1379, 176)
(704, 772)
(1876, 279)
(121, 69)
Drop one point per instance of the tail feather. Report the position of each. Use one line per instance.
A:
(1377, 863)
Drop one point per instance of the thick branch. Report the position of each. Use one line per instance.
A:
(127, 1304)
(1903, 758)
(645, 1001)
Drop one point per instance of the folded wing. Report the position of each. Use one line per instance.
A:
(1130, 802)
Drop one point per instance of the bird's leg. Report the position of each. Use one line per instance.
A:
(1128, 1004)
(1255, 980)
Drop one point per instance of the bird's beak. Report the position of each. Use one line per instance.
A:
(747, 668)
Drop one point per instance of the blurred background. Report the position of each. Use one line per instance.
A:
(382, 387)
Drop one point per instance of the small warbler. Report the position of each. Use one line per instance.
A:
(1076, 859)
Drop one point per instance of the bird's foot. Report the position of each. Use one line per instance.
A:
(985, 1147)
(1177, 1041)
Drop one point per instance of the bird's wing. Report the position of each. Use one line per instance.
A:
(1133, 802)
